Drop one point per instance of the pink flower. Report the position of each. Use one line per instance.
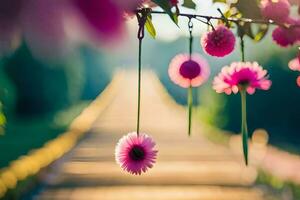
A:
(42, 23)
(219, 42)
(173, 2)
(294, 64)
(105, 17)
(298, 81)
(287, 36)
(277, 10)
(187, 72)
(129, 5)
(241, 75)
(135, 154)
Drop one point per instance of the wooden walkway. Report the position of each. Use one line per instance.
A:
(187, 168)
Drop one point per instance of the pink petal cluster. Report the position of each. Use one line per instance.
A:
(294, 65)
(298, 81)
(104, 17)
(241, 75)
(276, 10)
(135, 154)
(279, 11)
(219, 42)
(39, 22)
(287, 36)
(44, 24)
(187, 71)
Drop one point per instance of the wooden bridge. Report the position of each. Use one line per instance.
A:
(187, 167)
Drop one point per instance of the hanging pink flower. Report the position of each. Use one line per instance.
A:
(241, 75)
(187, 72)
(105, 17)
(287, 36)
(135, 154)
(219, 42)
(277, 10)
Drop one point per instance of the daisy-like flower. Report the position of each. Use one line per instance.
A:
(219, 42)
(277, 10)
(185, 71)
(241, 76)
(135, 154)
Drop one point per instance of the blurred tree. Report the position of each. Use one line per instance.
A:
(97, 73)
(42, 87)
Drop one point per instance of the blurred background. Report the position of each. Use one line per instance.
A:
(42, 92)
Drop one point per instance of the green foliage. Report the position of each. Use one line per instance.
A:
(277, 184)
(189, 4)
(261, 32)
(248, 8)
(166, 6)
(37, 82)
(23, 135)
(219, 1)
(150, 28)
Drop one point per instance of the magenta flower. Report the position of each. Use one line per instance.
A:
(129, 5)
(135, 154)
(219, 42)
(287, 36)
(241, 75)
(105, 17)
(187, 72)
(277, 10)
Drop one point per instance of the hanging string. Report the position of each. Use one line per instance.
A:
(141, 33)
(190, 89)
(190, 25)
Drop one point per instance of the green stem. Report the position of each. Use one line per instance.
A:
(190, 107)
(242, 48)
(191, 45)
(244, 127)
(139, 87)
